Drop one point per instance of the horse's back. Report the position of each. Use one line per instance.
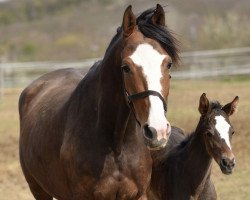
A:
(59, 83)
(41, 106)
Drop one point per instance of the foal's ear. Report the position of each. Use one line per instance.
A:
(231, 107)
(204, 104)
(129, 21)
(159, 16)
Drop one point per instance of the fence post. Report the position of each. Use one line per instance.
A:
(1, 81)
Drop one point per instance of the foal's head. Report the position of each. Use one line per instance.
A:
(147, 56)
(218, 131)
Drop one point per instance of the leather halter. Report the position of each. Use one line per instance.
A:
(145, 94)
(142, 95)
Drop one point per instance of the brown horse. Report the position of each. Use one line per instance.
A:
(86, 137)
(182, 170)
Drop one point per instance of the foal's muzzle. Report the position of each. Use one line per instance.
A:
(227, 165)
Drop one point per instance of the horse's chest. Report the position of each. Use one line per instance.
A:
(116, 187)
(105, 176)
(124, 180)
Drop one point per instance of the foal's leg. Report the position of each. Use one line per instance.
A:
(209, 192)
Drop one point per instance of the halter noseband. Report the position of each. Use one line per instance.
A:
(145, 94)
(142, 95)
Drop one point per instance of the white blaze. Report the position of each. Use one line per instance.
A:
(150, 60)
(222, 127)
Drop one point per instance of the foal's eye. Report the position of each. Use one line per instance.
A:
(232, 132)
(169, 65)
(125, 68)
(209, 134)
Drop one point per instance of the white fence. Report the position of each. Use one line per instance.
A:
(212, 63)
(198, 64)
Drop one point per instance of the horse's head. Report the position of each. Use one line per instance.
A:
(147, 56)
(218, 131)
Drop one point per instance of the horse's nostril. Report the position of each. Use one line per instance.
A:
(232, 162)
(149, 132)
(224, 162)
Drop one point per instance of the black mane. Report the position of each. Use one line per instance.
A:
(186, 140)
(159, 33)
(156, 32)
(214, 105)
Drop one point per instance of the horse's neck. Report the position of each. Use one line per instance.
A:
(110, 87)
(99, 93)
(113, 113)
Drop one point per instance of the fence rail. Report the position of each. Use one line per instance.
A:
(198, 64)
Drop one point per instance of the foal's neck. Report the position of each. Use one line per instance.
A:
(197, 153)
(198, 161)
(183, 170)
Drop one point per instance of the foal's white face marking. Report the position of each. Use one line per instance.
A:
(222, 127)
(150, 60)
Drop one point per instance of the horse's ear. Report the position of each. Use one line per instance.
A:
(129, 21)
(204, 104)
(158, 17)
(231, 107)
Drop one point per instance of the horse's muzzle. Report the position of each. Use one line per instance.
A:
(151, 139)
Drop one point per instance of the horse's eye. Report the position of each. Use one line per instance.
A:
(232, 132)
(169, 65)
(125, 68)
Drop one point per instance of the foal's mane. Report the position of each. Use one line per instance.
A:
(213, 105)
(156, 32)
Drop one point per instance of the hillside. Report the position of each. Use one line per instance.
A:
(77, 29)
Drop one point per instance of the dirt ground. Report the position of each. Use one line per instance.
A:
(183, 102)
